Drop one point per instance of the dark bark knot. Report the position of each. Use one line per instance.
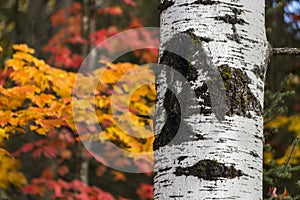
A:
(210, 170)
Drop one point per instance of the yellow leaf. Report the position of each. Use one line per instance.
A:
(24, 56)
(43, 99)
(3, 133)
(23, 47)
(41, 131)
(33, 128)
(279, 121)
(15, 64)
(295, 124)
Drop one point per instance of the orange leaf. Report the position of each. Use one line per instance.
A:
(119, 176)
(49, 123)
(100, 170)
(5, 152)
(284, 194)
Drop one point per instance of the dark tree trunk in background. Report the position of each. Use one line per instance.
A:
(38, 25)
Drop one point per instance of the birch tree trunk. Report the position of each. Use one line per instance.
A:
(212, 150)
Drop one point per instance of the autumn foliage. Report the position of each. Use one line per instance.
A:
(40, 102)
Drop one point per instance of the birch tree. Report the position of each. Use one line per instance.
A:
(208, 123)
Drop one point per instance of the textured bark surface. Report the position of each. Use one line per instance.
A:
(207, 147)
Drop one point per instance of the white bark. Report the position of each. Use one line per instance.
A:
(232, 34)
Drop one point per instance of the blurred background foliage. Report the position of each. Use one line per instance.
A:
(282, 103)
(48, 162)
(63, 32)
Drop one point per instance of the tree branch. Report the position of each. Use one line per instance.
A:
(286, 51)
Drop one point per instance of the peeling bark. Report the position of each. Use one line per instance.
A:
(209, 133)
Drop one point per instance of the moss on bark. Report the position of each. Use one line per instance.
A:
(209, 170)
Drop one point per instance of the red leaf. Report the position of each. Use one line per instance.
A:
(37, 153)
(57, 190)
(75, 7)
(98, 36)
(30, 189)
(76, 40)
(48, 174)
(76, 60)
(49, 151)
(112, 10)
(58, 18)
(145, 191)
(76, 184)
(130, 2)
(24, 149)
(63, 170)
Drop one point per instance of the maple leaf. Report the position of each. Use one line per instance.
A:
(9, 174)
(135, 23)
(48, 173)
(130, 2)
(77, 39)
(75, 7)
(24, 48)
(116, 10)
(63, 170)
(15, 64)
(76, 60)
(100, 170)
(66, 154)
(119, 176)
(98, 36)
(3, 134)
(145, 191)
(24, 149)
(58, 18)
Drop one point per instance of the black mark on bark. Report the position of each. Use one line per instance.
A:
(175, 196)
(206, 39)
(206, 2)
(187, 19)
(193, 36)
(181, 158)
(165, 5)
(234, 37)
(179, 50)
(254, 154)
(164, 170)
(210, 170)
(259, 71)
(233, 19)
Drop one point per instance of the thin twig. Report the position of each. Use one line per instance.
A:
(295, 143)
(286, 51)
